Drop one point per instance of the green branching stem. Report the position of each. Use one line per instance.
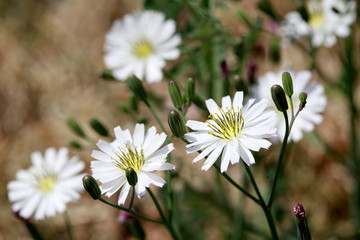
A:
(132, 198)
(280, 160)
(183, 119)
(162, 215)
(131, 212)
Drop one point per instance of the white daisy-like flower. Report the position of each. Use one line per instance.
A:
(327, 20)
(139, 43)
(141, 152)
(232, 130)
(48, 185)
(308, 117)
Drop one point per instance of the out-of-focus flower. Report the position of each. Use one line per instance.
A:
(141, 152)
(48, 185)
(139, 44)
(308, 117)
(232, 130)
(327, 19)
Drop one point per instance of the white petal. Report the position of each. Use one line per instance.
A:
(211, 105)
(211, 159)
(124, 193)
(138, 136)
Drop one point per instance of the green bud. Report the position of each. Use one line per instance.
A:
(91, 186)
(302, 98)
(176, 124)
(98, 127)
(175, 94)
(199, 102)
(122, 107)
(287, 84)
(131, 176)
(278, 96)
(75, 127)
(133, 103)
(107, 75)
(190, 88)
(137, 88)
(75, 144)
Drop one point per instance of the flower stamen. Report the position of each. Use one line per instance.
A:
(227, 123)
(129, 157)
(143, 49)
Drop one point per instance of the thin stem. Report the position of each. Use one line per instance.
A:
(291, 107)
(156, 116)
(230, 180)
(266, 209)
(281, 156)
(68, 226)
(156, 202)
(132, 198)
(34, 232)
(131, 211)
(184, 120)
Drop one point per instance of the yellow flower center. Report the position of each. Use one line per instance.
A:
(316, 20)
(143, 49)
(129, 156)
(47, 183)
(227, 123)
(316, 15)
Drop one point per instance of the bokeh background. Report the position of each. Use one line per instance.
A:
(50, 59)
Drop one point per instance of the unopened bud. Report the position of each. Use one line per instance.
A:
(137, 88)
(278, 96)
(133, 103)
(176, 124)
(122, 107)
(91, 186)
(75, 144)
(190, 88)
(303, 228)
(302, 98)
(131, 176)
(73, 125)
(175, 94)
(98, 127)
(287, 84)
(224, 70)
(107, 75)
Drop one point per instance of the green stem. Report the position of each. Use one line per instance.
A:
(35, 234)
(132, 197)
(266, 209)
(68, 226)
(165, 221)
(227, 177)
(184, 120)
(156, 116)
(280, 160)
(131, 211)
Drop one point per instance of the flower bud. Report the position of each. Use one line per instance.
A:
(287, 84)
(73, 125)
(107, 75)
(302, 98)
(75, 144)
(137, 88)
(131, 176)
(122, 107)
(278, 96)
(190, 88)
(98, 127)
(91, 186)
(175, 94)
(176, 124)
(303, 229)
(133, 103)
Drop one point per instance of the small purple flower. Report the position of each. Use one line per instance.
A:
(299, 212)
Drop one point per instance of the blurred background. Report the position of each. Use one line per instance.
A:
(50, 59)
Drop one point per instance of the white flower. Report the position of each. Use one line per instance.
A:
(327, 19)
(141, 153)
(139, 44)
(48, 185)
(232, 130)
(308, 117)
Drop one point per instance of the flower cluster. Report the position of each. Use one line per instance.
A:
(327, 19)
